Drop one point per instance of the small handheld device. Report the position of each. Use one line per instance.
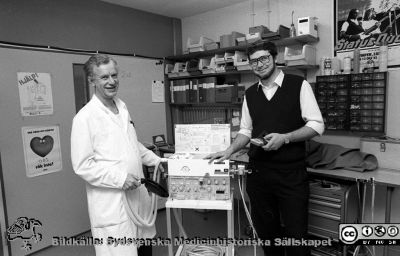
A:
(259, 141)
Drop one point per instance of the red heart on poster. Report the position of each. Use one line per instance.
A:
(42, 146)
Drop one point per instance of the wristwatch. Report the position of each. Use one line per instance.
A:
(287, 140)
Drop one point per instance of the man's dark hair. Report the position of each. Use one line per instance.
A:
(353, 14)
(96, 60)
(265, 45)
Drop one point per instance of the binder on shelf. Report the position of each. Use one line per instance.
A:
(193, 91)
(202, 91)
(209, 85)
(198, 46)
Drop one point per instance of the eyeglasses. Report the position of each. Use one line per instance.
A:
(263, 59)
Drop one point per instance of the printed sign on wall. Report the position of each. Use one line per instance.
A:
(35, 93)
(42, 150)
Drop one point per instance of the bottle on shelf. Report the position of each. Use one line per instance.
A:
(292, 30)
(383, 57)
(369, 68)
(356, 61)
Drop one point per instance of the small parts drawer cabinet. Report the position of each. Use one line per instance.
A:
(353, 102)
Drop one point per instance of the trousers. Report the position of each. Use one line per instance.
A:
(279, 208)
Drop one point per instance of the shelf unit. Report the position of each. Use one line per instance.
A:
(178, 113)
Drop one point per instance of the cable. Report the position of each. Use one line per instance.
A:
(373, 208)
(150, 219)
(178, 221)
(68, 50)
(203, 250)
(255, 235)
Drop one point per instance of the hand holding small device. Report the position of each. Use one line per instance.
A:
(259, 141)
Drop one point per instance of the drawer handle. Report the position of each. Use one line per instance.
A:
(326, 198)
(325, 215)
(322, 236)
(336, 206)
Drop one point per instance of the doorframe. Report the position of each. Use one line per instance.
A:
(5, 248)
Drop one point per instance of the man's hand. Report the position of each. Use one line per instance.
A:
(131, 182)
(276, 140)
(219, 156)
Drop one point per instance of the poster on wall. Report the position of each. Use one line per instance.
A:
(367, 25)
(42, 150)
(35, 93)
(157, 91)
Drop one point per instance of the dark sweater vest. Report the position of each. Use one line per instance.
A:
(354, 29)
(281, 114)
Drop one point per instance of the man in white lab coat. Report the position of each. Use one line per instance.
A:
(106, 153)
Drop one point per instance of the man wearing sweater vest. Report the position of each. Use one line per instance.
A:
(281, 110)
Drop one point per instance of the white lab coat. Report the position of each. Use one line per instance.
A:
(103, 152)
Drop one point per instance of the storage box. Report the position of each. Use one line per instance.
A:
(196, 46)
(207, 65)
(300, 56)
(307, 26)
(211, 46)
(260, 29)
(253, 37)
(281, 33)
(230, 39)
(228, 56)
(386, 151)
(219, 58)
(225, 93)
(241, 61)
(241, 41)
(192, 67)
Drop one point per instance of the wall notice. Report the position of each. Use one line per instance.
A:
(157, 91)
(42, 150)
(35, 93)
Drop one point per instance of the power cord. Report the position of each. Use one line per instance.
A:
(150, 219)
(202, 250)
